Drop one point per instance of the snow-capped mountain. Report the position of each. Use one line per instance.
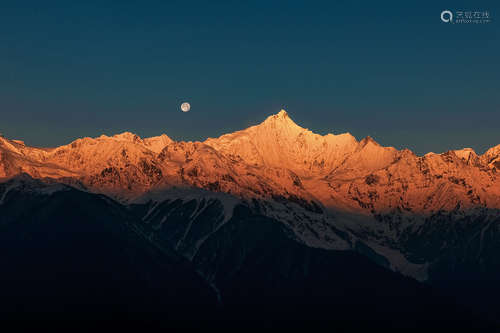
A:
(272, 158)
(332, 191)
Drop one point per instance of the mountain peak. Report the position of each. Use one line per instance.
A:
(368, 140)
(282, 113)
(282, 118)
(127, 136)
(157, 143)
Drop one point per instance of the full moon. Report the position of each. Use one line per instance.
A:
(185, 107)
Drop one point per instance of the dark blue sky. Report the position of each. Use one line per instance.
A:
(388, 69)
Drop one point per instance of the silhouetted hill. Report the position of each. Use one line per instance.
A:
(75, 255)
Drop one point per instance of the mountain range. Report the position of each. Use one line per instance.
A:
(271, 205)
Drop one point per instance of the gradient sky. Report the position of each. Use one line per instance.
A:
(389, 69)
